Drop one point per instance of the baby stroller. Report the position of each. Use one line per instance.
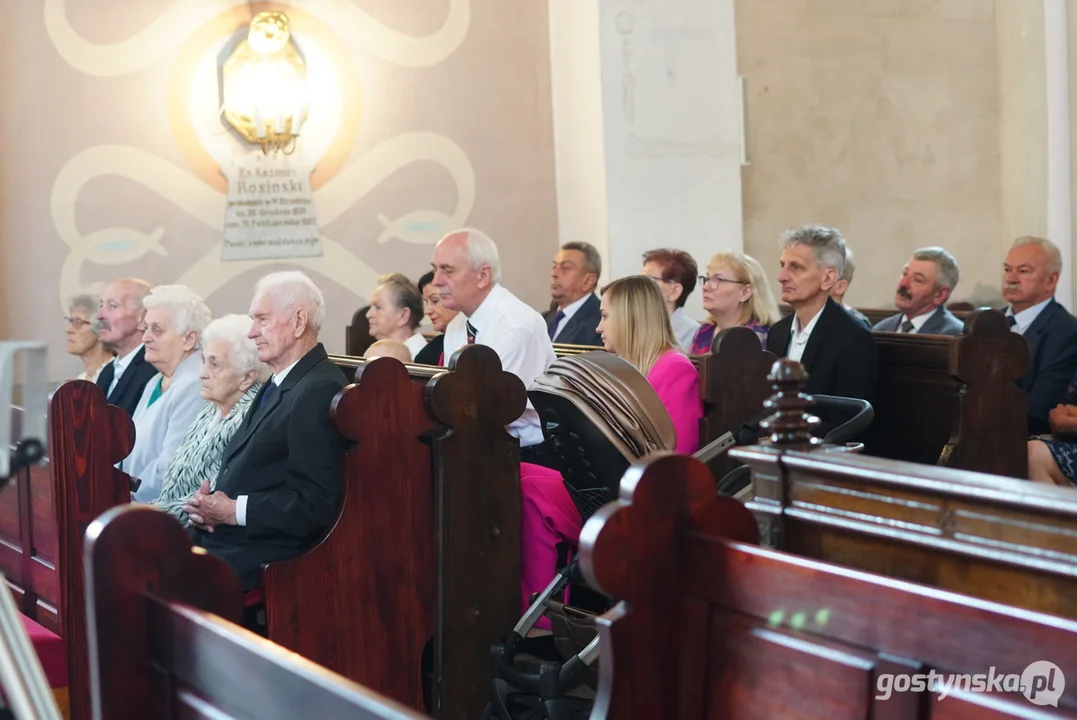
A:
(599, 415)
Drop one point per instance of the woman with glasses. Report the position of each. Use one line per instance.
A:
(735, 292)
(82, 341)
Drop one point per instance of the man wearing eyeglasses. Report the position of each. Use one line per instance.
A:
(120, 330)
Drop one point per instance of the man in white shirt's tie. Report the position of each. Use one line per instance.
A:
(467, 275)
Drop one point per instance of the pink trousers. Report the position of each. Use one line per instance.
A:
(549, 518)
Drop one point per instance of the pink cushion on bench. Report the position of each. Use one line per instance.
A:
(50, 650)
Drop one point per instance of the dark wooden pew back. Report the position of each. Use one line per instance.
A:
(710, 627)
(953, 401)
(427, 545)
(987, 536)
(44, 513)
(163, 643)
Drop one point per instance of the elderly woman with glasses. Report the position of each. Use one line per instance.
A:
(82, 341)
(230, 378)
(174, 321)
(735, 292)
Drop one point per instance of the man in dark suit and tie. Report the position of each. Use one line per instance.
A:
(576, 269)
(835, 348)
(120, 321)
(278, 489)
(926, 283)
(1030, 275)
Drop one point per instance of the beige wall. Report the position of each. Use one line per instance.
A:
(881, 117)
(112, 147)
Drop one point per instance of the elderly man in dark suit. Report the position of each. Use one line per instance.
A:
(119, 319)
(278, 489)
(573, 316)
(835, 348)
(926, 283)
(1030, 275)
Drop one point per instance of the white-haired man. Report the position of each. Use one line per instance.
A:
(467, 275)
(1029, 278)
(278, 488)
(119, 319)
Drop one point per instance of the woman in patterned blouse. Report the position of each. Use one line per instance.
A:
(735, 292)
(231, 376)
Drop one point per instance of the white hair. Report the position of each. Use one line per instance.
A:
(233, 329)
(1054, 256)
(189, 311)
(481, 250)
(826, 243)
(90, 304)
(293, 290)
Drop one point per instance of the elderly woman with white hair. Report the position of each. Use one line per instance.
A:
(175, 319)
(231, 377)
(82, 340)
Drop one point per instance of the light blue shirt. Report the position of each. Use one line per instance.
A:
(161, 427)
(1026, 317)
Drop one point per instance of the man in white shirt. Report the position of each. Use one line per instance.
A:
(467, 275)
(835, 348)
(119, 319)
(1030, 275)
(278, 489)
(926, 283)
(576, 269)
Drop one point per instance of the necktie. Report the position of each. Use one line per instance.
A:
(906, 327)
(271, 387)
(471, 333)
(1012, 319)
(557, 318)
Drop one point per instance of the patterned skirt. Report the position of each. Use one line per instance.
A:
(1065, 454)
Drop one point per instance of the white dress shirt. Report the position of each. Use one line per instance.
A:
(241, 500)
(518, 334)
(798, 339)
(161, 427)
(918, 321)
(1026, 317)
(568, 313)
(415, 343)
(119, 365)
(684, 327)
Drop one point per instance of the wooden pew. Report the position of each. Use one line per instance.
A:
(357, 337)
(711, 626)
(427, 545)
(990, 537)
(163, 643)
(952, 401)
(44, 512)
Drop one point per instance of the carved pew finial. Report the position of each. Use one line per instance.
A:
(791, 423)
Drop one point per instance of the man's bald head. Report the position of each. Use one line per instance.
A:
(120, 314)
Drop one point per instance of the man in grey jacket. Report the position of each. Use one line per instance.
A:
(927, 281)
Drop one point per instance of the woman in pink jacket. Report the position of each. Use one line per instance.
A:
(635, 326)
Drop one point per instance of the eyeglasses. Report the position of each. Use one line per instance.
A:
(76, 322)
(716, 281)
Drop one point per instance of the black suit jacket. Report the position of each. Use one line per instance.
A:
(133, 381)
(286, 458)
(431, 352)
(580, 328)
(1052, 336)
(840, 357)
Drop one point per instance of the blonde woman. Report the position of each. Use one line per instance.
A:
(396, 309)
(735, 292)
(82, 341)
(635, 326)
